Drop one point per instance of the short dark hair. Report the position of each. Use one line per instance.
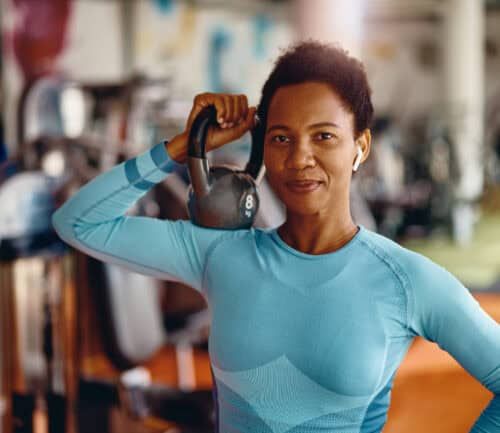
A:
(312, 60)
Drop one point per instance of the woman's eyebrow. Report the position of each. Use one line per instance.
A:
(314, 125)
(272, 128)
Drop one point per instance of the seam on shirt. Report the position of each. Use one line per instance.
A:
(399, 273)
(117, 221)
(487, 377)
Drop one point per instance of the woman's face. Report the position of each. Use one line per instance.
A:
(310, 147)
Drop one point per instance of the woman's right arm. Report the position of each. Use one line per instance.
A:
(94, 219)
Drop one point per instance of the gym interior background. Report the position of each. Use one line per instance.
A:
(87, 347)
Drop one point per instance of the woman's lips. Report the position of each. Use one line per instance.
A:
(303, 186)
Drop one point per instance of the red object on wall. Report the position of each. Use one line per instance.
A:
(39, 34)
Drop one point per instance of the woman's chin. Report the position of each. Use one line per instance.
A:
(303, 203)
(306, 205)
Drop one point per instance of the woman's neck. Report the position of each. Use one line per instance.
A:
(316, 234)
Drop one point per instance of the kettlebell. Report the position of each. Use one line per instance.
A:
(220, 197)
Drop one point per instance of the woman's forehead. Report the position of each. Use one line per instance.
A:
(308, 103)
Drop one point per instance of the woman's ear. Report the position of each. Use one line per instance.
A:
(364, 141)
(357, 161)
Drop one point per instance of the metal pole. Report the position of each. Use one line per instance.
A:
(464, 87)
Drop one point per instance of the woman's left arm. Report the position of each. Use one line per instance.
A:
(441, 309)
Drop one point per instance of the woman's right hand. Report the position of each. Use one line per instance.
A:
(234, 118)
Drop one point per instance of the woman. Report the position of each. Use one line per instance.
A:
(310, 320)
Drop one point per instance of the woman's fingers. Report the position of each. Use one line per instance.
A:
(246, 123)
(242, 108)
(235, 109)
(234, 117)
(220, 108)
(231, 109)
(228, 103)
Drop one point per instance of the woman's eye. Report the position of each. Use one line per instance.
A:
(325, 136)
(279, 138)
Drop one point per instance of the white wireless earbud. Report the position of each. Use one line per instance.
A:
(358, 159)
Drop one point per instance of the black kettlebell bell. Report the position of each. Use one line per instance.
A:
(220, 197)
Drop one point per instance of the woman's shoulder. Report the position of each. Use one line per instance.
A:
(428, 285)
(389, 248)
(410, 265)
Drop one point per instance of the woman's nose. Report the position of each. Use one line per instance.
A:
(300, 156)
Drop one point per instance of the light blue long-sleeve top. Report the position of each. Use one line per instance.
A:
(298, 342)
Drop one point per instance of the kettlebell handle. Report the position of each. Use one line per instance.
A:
(198, 133)
(199, 170)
